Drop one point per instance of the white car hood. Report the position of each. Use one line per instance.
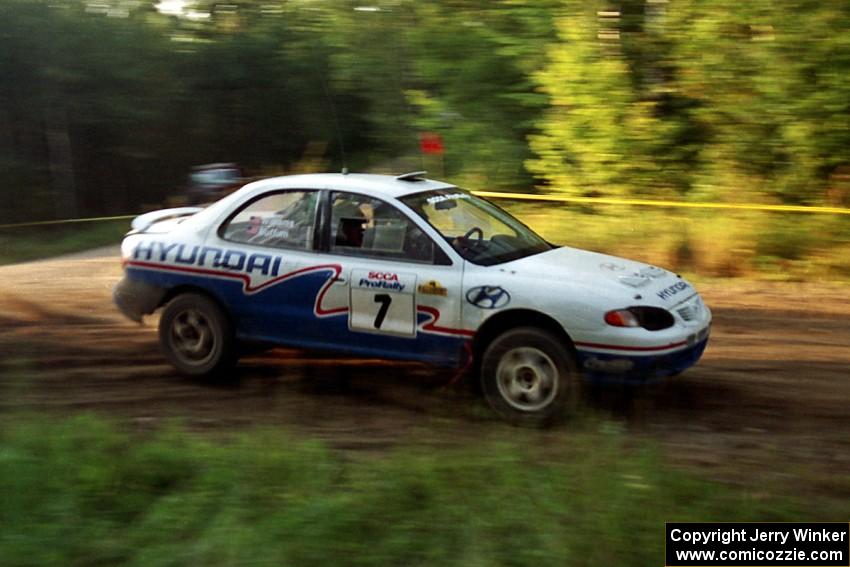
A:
(637, 283)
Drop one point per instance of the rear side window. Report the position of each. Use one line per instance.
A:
(283, 219)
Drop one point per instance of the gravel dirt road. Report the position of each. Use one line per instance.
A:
(771, 396)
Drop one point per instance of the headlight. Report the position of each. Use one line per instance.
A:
(650, 318)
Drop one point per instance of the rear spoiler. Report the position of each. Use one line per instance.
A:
(143, 222)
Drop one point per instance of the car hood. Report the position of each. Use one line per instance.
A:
(637, 283)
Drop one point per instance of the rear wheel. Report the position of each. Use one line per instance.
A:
(529, 377)
(197, 336)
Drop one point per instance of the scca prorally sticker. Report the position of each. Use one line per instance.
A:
(488, 297)
(379, 280)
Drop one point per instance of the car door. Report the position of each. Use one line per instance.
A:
(273, 295)
(398, 293)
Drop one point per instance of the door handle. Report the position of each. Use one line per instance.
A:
(339, 280)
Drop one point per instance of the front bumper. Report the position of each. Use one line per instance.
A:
(136, 298)
(639, 369)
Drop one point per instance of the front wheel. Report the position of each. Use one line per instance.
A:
(529, 378)
(197, 336)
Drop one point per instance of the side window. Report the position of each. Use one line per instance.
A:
(282, 219)
(369, 227)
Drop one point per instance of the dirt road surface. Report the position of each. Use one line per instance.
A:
(771, 396)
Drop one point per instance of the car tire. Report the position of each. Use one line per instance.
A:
(197, 336)
(529, 377)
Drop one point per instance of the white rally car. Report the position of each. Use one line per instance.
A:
(405, 268)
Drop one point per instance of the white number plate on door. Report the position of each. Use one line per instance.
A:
(383, 302)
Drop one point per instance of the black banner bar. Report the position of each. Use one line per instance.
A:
(766, 544)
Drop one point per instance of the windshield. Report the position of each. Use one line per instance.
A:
(480, 231)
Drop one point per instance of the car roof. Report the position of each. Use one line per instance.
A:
(387, 186)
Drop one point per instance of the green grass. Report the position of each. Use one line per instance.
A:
(32, 243)
(81, 492)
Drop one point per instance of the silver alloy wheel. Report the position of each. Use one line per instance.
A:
(192, 337)
(527, 378)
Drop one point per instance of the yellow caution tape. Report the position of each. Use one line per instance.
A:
(65, 221)
(655, 203)
(552, 198)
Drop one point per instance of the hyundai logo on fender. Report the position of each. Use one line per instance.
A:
(488, 297)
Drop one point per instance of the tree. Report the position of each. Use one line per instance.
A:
(597, 136)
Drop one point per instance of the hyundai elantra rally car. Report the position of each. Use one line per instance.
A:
(404, 268)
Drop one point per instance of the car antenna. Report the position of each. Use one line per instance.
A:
(330, 102)
(336, 123)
